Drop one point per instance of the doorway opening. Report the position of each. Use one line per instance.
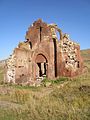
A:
(41, 66)
(42, 69)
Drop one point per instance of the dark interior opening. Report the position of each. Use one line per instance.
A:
(78, 65)
(55, 56)
(30, 44)
(42, 69)
(40, 33)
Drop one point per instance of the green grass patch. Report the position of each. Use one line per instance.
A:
(47, 82)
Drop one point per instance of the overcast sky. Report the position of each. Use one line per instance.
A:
(72, 16)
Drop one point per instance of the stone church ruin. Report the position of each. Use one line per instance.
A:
(43, 54)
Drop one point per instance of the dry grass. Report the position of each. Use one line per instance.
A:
(63, 100)
(1, 74)
(70, 101)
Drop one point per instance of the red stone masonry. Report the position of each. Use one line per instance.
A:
(44, 55)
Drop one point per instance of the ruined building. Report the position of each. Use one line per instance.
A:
(43, 54)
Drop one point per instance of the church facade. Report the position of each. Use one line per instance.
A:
(46, 52)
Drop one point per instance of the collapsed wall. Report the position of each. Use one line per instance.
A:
(70, 57)
(10, 69)
(17, 65)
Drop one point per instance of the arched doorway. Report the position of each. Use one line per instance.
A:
(41, 65)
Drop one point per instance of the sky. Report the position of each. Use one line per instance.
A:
(72, 16)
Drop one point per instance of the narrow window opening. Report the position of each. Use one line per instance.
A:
(78, 65)
(40, 33)
(30, 44)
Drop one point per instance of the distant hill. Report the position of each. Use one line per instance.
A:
(85, 54)
(86, 58)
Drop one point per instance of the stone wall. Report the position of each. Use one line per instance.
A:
(44, 54)
(70, 55)
(10, 69)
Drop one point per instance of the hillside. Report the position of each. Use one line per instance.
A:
(86, 57)
(61, 99)
(85, 54)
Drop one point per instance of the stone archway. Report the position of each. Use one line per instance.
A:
(41, 66)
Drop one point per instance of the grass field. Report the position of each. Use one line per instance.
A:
(64, 99)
